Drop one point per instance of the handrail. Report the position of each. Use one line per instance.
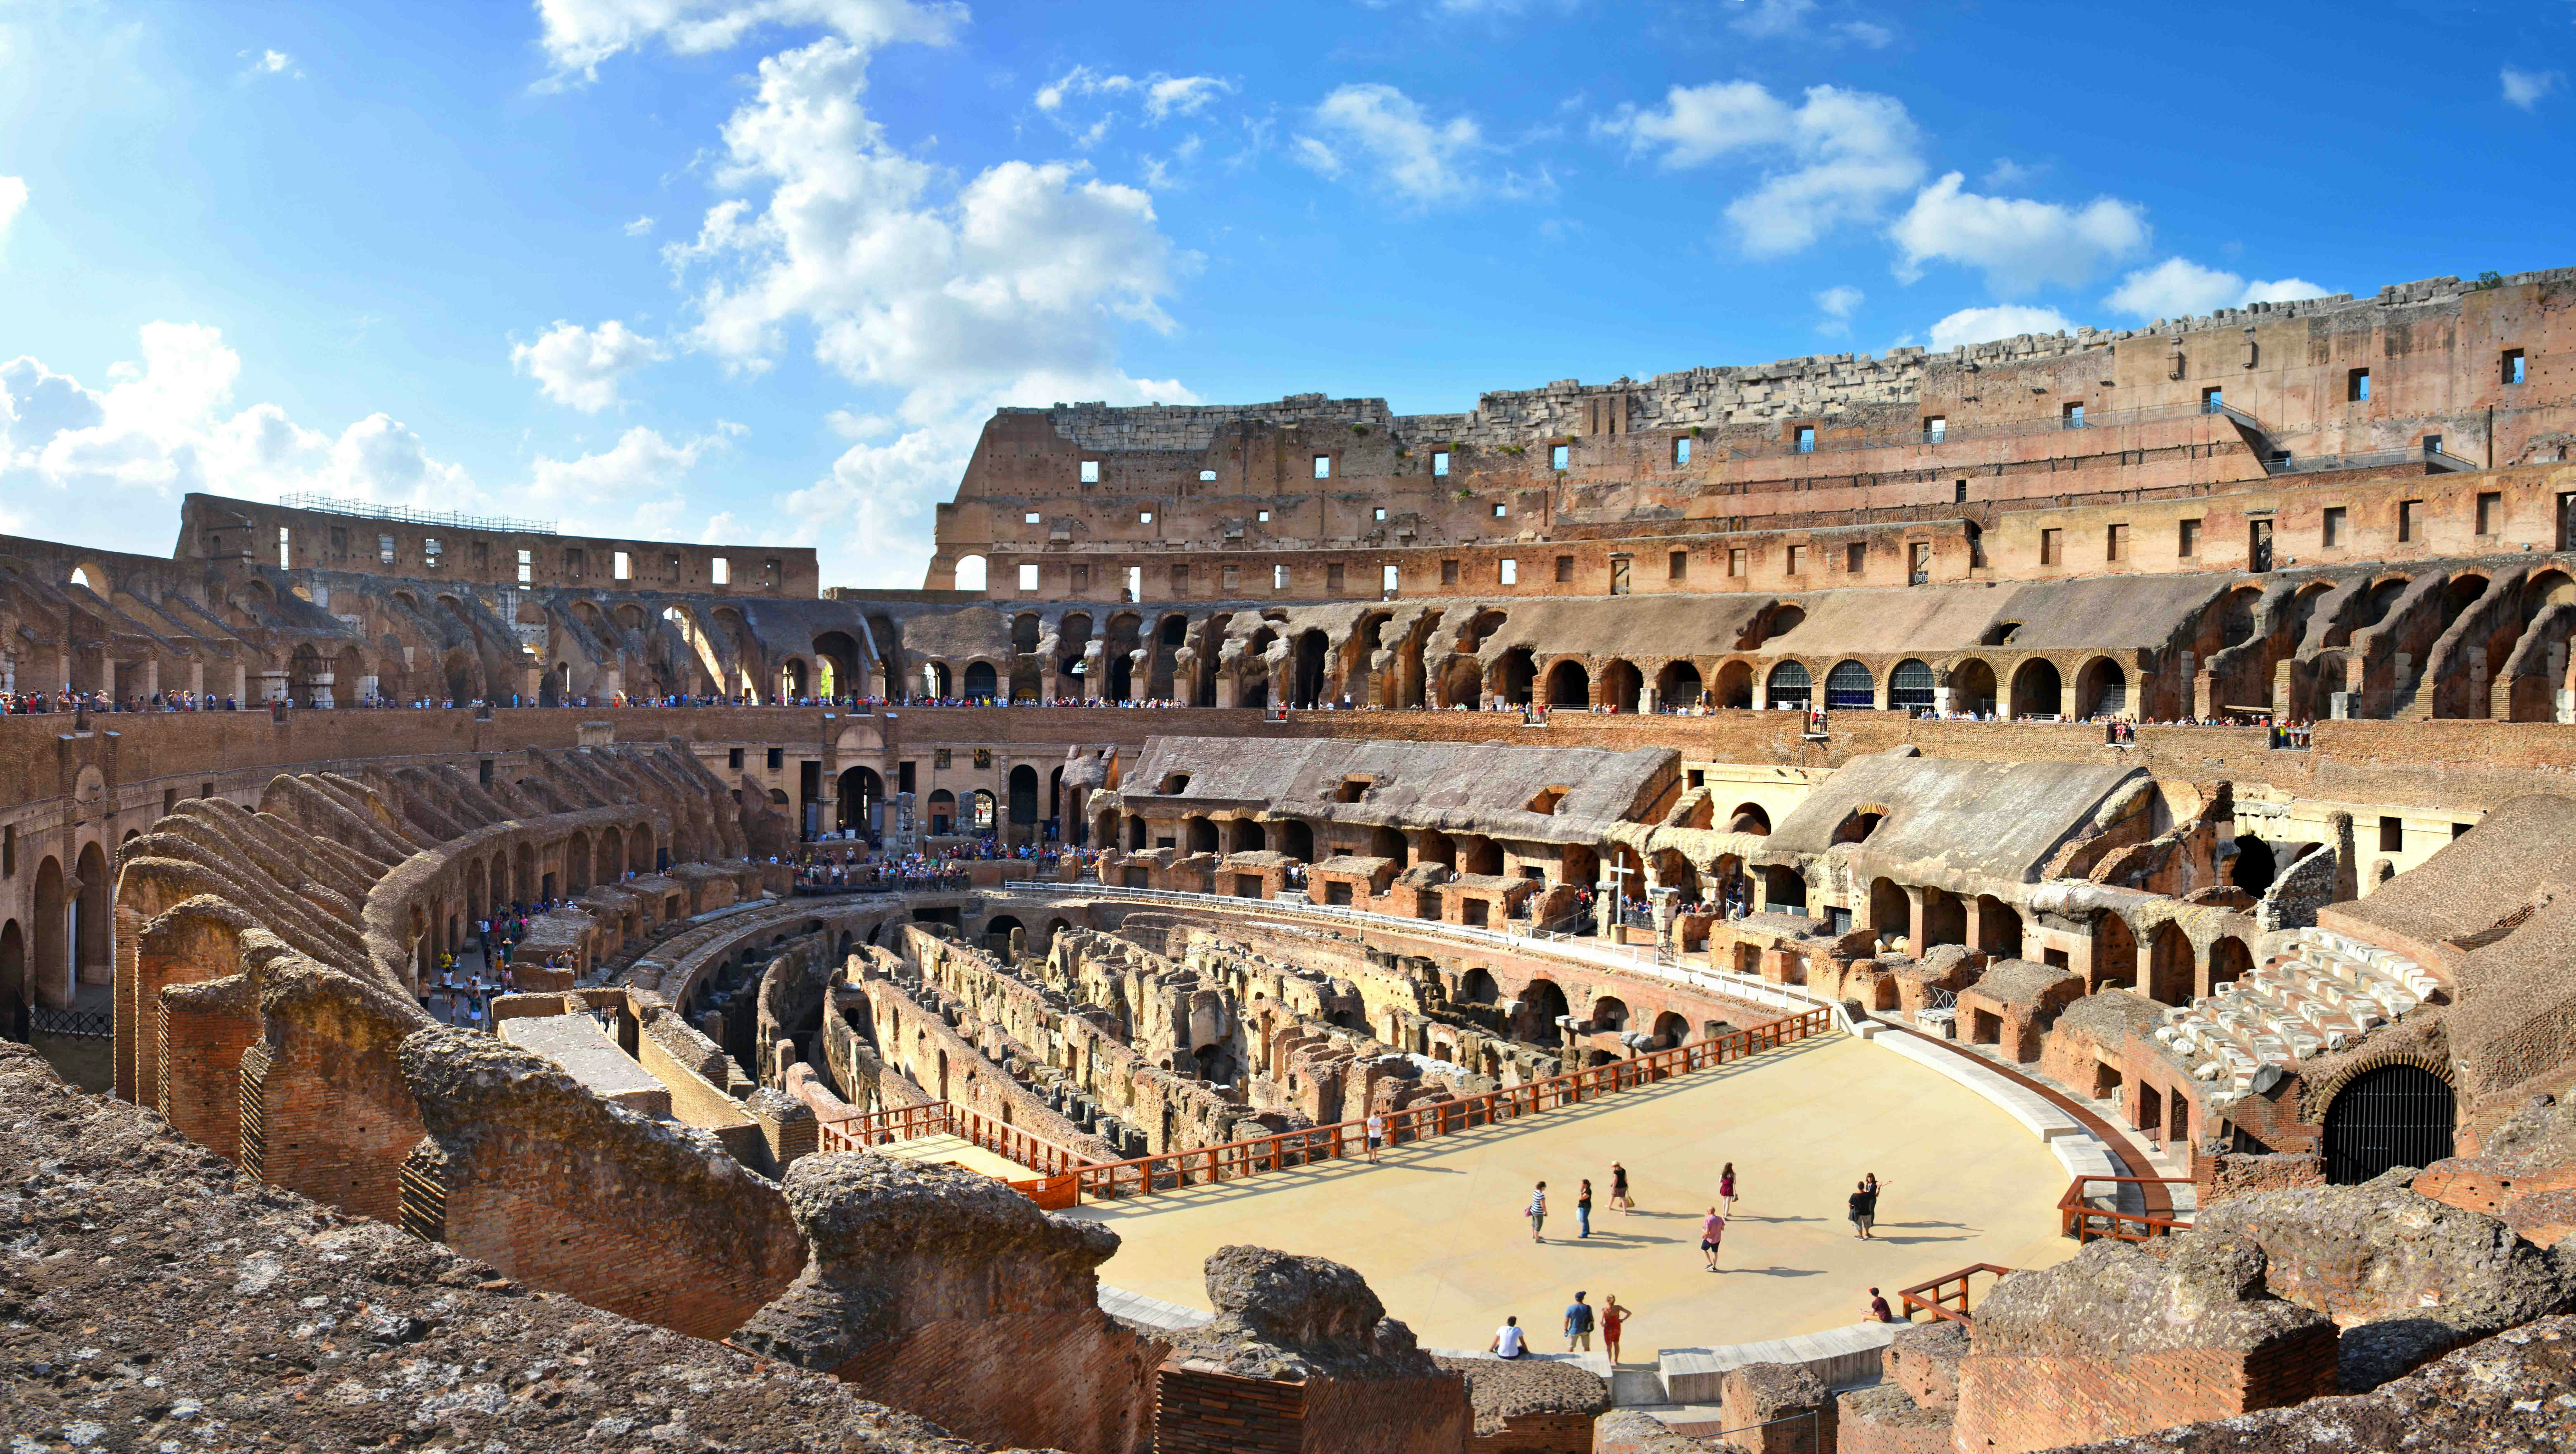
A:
(2084, 1223)
(863, 1129)
(1937, 1303)
(1173, 1170)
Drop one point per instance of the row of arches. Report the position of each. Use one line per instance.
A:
(71, 928)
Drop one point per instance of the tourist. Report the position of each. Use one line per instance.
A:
(1619, 1189)
(1508, 1342)
(1578, 1325)
(1376, 1134)
(1864, 1209)
(1879, 1311)
(1613, 1317)
(1726, 1188)
(1711, 1230)
(1583, 1208)
(1537, 1213)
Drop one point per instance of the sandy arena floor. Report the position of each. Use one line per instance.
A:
(1438, 1231)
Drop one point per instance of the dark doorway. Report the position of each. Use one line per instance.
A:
(2397, 1115)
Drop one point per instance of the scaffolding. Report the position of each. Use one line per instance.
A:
(366, 510)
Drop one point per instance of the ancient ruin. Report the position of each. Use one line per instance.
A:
(2113, 785)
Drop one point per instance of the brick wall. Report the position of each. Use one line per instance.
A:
(1069, 1379)
(1537, 1434)
(2010, 1405)
(1204, 1411)
(325, 1110)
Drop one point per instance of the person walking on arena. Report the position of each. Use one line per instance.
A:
(1712, 1230)
(1537, 1213)
(1726, 1188)
(1578, 1325)
(1864, 1209)
(1583, 1207)
(1376, 1134)
(1619, 1189)
(1613, 1317)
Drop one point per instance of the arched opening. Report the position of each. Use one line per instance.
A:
(53, 938)
(836, 665)
(1749, 818)
(576, 865)
(2101, 689)
(1790, 686)
(935, 679)
(1972, 688)
(997, 933)
(1784, 889)
(1135, 833)
(1479, 854)
(1388, 843)
(1670, 1030)
(1478, 988)
(1199, 835)
(861, 790)
(2254, 868)
(2115, 956)
(2229, 961)
(1909, 686)
(1621, 686)
(1609, 1012)
(1859, 823)
(1297, 839)
(2037, 690)
(1569, 685)
(1250, 836)
(791, 679)
(1513, 676)
(2169, 965)
(2396, 1115)
(1998, 928)
(1673, 871)
(1024, 795)
(1308, 690)
(1735, 685)
(1677, 685)
(943, 812)
(1945, 919)
(982, 682)
(1541, 1006)
(971, 572)
(1890, 912)
(985, 807)
(1850, 688)
(93, 923)
(17, 996)
(1437, 847)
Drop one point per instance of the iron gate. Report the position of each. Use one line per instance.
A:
(2397, 1115)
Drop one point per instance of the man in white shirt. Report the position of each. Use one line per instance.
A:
(1508, 1340)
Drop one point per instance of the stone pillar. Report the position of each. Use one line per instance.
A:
(272, 686)
(1917, 934)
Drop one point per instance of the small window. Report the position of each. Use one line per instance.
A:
(2334, 533)
(1323, 466)
(2189, 545)
(1028, 577)
(1565, 568)
(1081, 579)
(777, 758)
(1279, 578)
(2490, 512)
(1135, 583)
(1144, 517)
(2115, 545)
(1681, 449)
(285, 547)
(2513, 366)
(1501, 510)
(1854, 557)
(1031, 517)
(430, 552)
(939, 758)
(2392, 835)
(1806, 439)
(1379, 513)
(1448, 572)
(1091, 472)
(2071, 414)
(1261, 515)
(733, 759)
(1936, 428)
(1509, 572)
(2432, 444)
(384, 550)
(1958, 492)
(1439, 463)
(720, 571)
(1559, 455)
(1207, 477)
(2410, 520)
(1387, 582)
(8, 850)
(528, 566)
(1735, 561)
(2052, 547)
(1678, 568)
(621, 566)
(2213, 400)
(2356, 386)
(1229, 577)
(1333, 580)
(1797, 560)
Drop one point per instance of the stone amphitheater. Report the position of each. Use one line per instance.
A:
(2113, 790)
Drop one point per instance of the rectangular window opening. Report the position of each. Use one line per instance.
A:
(777, 758)
(2189, 545)
(2392, 835)
(2071, 415)
(621, 565)
(1279, 578)
(1565, 568)
(1323, 466)
(1797, 560)
(2513, 366)
(2356, 387)
(1806, 439)
(2052, 547)
(1207, 477)
(1678, 568)
(2334, 533)
(1028, 577)
(1332, 580)
(1735, 561)
(1262, 515)
(2115, 546)
(1936, 428)
(430, 551)
(1681, 449)
(2490, 512)
(1144, 517)
(1958, 492)
(384, 550)
(285, 542)
(1448, 572)
(1091, 472)
(2212, 400)
(2410, 521)
(1854, 557)
(1439, 463)
(1031, 517)
(1508, 572)
(1379, 513)
(1388, 580)
(720, 571)
(1560, 456)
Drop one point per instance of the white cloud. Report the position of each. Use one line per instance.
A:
(579, 34)
(1010, 287)
(1378, 130)
(640, 227)
(13, 198)
(2005, 320)
(2525, 88)
(2019, 243)
(2180, 288)
(1838, 157)
(1168, 96)
(640, 479)
(260, 63)
(581, 366)
(1770, 17)
(1868, 33)
(1837, 304)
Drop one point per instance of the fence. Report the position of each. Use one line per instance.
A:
(1207, 1165)
(86, 1024)
(1935, 1296)
(2079, 1219)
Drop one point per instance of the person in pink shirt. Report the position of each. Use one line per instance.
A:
(1710, 1232)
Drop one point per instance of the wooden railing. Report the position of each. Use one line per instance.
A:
(1207, 1165)
(2084, 1222)
(876, 1128)
(1936, 1296)
(947, 1118)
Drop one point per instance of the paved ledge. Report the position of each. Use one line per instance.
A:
(2038, 1114)
(1840, 1356)
(1597, 1364)
(1153, 1312)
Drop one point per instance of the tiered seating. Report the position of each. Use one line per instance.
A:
(2328, 991)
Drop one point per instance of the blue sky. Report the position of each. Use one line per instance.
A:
(757, 270)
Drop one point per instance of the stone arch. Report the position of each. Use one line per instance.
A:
(1910, 686)
(839, 667)
(2169, 965)
(1670, 1030)
(1849, 687)
(971, 573)
(1620, 686)
(2037, 690)
(1569, 684)
(982, 682)
(2115, 955)
(1890, 911)
(1609, 1012)
(986, 810)
(2101, 689)
(2395, 1109)
(1542, 1003)
(1513, 675)
(1749, 818)
(93, 915)
(1313, 652)
(2229, 961)
(17, 994)
(1790, 685)
(1297, 839)
(1024, 795)
(1972, 686)
(1678, 684)
(1476, 987)
(1734, 687)
(1998, 928)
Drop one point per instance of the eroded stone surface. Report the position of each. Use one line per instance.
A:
(1279, 1315)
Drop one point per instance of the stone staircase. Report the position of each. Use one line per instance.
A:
(2326, 992)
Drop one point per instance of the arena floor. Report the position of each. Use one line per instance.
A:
(1439, 1233)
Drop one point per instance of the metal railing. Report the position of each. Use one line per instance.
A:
(1935, 1296)
(1208, 1165)
(2435, 460)
(86, 1024)
(2079, 1219)
(405, 515)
